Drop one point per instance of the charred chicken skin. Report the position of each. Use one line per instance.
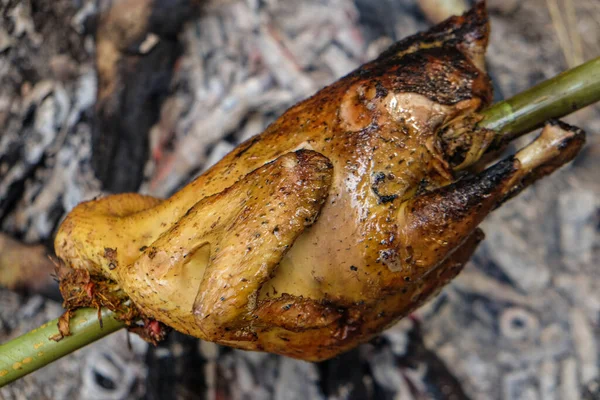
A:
(345, 215)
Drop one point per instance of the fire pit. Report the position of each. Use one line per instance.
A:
(520, 322)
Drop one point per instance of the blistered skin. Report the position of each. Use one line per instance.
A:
(339, 219)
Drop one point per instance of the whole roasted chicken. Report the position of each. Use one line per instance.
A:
(347, 213)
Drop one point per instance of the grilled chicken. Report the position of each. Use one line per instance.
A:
(345, 215)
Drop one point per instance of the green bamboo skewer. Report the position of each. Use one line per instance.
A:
(35, 349)
(567, 92)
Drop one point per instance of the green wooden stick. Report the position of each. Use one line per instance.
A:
(35, 349)
(567, 92)
(554, 98)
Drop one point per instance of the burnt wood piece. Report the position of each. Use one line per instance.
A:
(137, 48)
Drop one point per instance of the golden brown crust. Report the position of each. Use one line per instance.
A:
(308, 253)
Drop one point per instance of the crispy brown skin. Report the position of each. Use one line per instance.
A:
(309, 252)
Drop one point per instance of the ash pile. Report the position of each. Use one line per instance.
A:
(521, 322)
